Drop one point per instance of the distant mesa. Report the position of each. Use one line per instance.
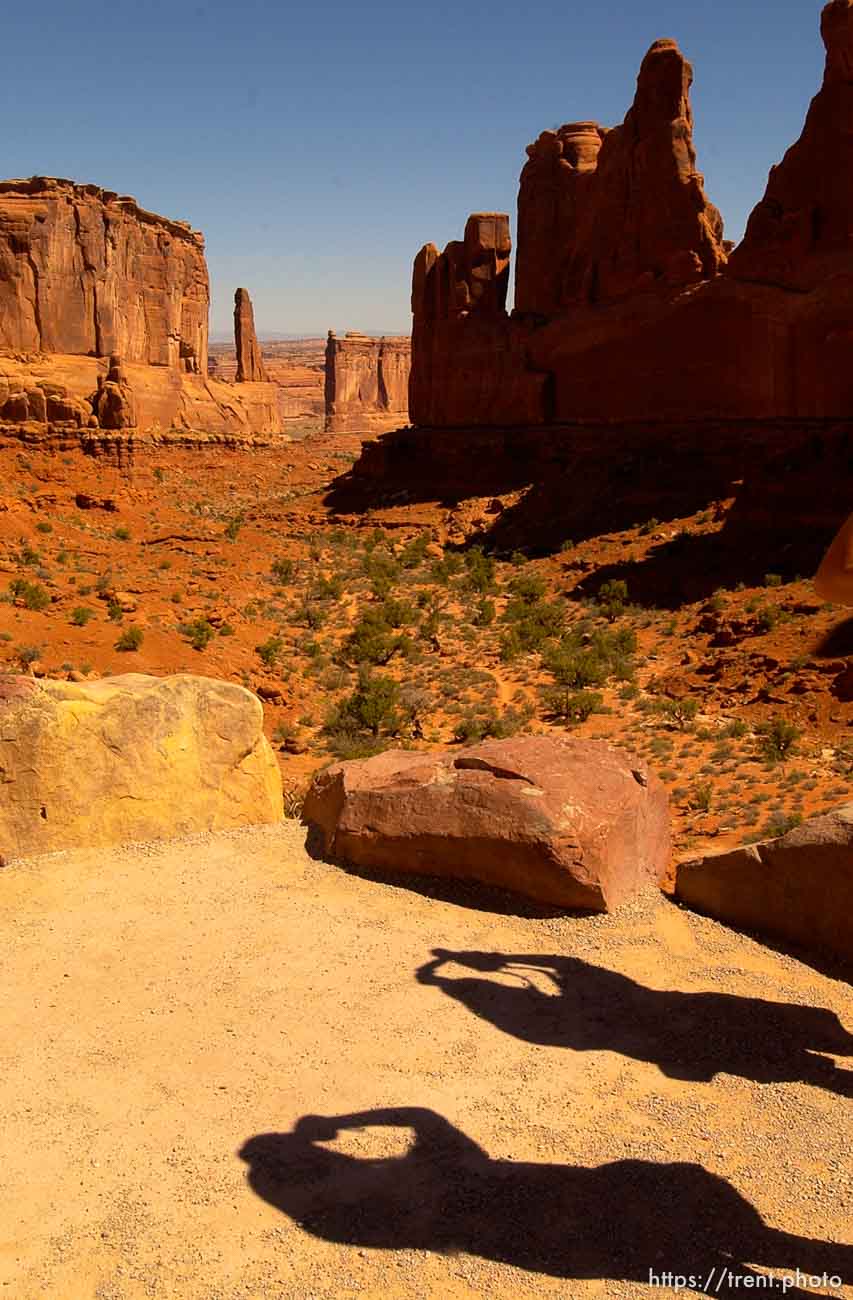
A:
(629, 302)
(367, 382)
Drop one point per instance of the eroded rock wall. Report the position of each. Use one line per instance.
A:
(629, 304)
(87, 271)
(367, 382)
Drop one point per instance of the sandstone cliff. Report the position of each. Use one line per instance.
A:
(250, 366)
(366, 385)
(468, 363)
(626, 308)
(84, 270)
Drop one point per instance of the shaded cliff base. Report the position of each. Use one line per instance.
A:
(780, 488)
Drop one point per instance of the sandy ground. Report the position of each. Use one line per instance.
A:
(553, 1106)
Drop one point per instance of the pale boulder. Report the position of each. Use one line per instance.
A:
(130, 758)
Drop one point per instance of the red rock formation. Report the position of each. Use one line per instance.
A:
(798, 888)
(113, 403)
(800, 231)
(86, 271)
(468, 364)
(625, 307)
(367, 381)
(250, 366)
(575, 823)
(603, 214)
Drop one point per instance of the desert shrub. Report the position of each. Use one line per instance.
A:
(372, 640)
(446, 568)
(327, 588)
(397, 613)
(575, 706)
(773, 580)
(484, 614)
(371, 708)
(382, 570)
(479, 571)
(121, 534)
(232, 528)
(528, 587)
(199, 633)
(414, 552)
(32, 594)
(80, 615)
(680, 712)
(270, 651)
(777, 740)
(43, 526)
(115, 613)
(27, 654)
(130, 639)
(311, 615)
(533, 623)
(700, 797)
(283, 570)
(612, 599)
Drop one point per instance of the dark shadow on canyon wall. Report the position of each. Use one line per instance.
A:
(777, 493)
(686, 1035)
(446, 1194)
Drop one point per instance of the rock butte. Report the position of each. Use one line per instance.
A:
(87, 275)
(629, 305)
(367, 382)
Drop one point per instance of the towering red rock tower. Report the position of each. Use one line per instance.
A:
(605, 213)
(800, 231)
(250, 365)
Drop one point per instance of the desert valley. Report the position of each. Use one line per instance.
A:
(426, 825)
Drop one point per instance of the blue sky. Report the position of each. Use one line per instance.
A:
(318, 146)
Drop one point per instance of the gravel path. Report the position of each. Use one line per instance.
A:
(548, 1106)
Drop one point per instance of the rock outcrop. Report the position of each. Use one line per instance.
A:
(566, 822)
(468, 362)
(798, 888)
(603, 214)
(130, 758)
(628, 305)
(367, 382)
(87, 271)
(250, 366)
(42, 397)
(113, 403)
(834, 579)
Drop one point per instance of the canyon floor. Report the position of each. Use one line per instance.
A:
(233, 1072)
(260, 566)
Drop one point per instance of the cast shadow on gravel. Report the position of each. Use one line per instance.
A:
(622, 1221)
(560, 1001)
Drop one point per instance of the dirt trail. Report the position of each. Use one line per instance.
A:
(164, 1006)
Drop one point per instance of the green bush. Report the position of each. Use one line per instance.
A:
(479, 571)
(32, 594)
(130, 639)
(371, 708)
(80, 615)
(199, 633)
(270, 651)
(612, 599)
(575, 706)
(283, 570)
(372, 640)
(777, 740)
(414, 552)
